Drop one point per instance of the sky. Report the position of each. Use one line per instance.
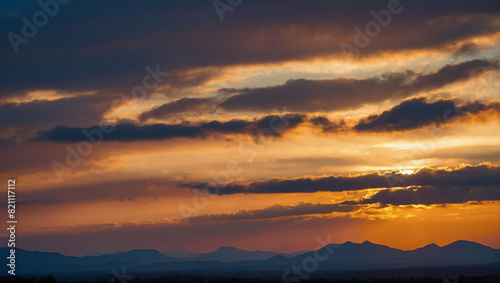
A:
(255, 124)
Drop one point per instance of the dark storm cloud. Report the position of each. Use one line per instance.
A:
(106, 45)
(44, 114)
(181, 106)
(275, 211)
(276, 125)
(343, 93)
(481, 175)
(417, 113)
(434, 195)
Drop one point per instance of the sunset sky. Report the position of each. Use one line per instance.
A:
(255, 124)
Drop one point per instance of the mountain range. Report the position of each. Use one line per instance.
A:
(222, 254)
(330, 259)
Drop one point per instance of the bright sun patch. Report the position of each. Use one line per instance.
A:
(407, 172)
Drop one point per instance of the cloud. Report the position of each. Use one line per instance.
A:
(466, 49)
(480, 175)
(89, 46)
(44, 114)
(326, 125)
(275, 125)
(428, 195)
(123, 190)
(417, 113)
(275, 211)
(408, 115)
(181, 106)
(471, 183)
(452, 73)
(347, 93)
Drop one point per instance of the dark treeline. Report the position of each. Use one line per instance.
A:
(214, 279)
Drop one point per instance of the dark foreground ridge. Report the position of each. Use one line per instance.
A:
(213, 279)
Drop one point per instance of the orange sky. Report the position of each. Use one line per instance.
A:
(216, 119)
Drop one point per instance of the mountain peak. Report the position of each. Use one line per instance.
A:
(365, 243)
(142, 251)
(464, 243)
(227, 248)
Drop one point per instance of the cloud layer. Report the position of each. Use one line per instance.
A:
(417, 113)
(26, 118)
(481, 175)
(347, 93)
(271, 126)
(408, 115)
(428, 195)
(113, 49)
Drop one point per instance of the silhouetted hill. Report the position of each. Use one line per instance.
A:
(232, 254)
(104, 253)
(146, 256)
(178, 253)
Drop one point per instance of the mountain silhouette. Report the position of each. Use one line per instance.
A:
(104, 253)
(146, 256)
(333, 258)
(179, 253)
(232, 254)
